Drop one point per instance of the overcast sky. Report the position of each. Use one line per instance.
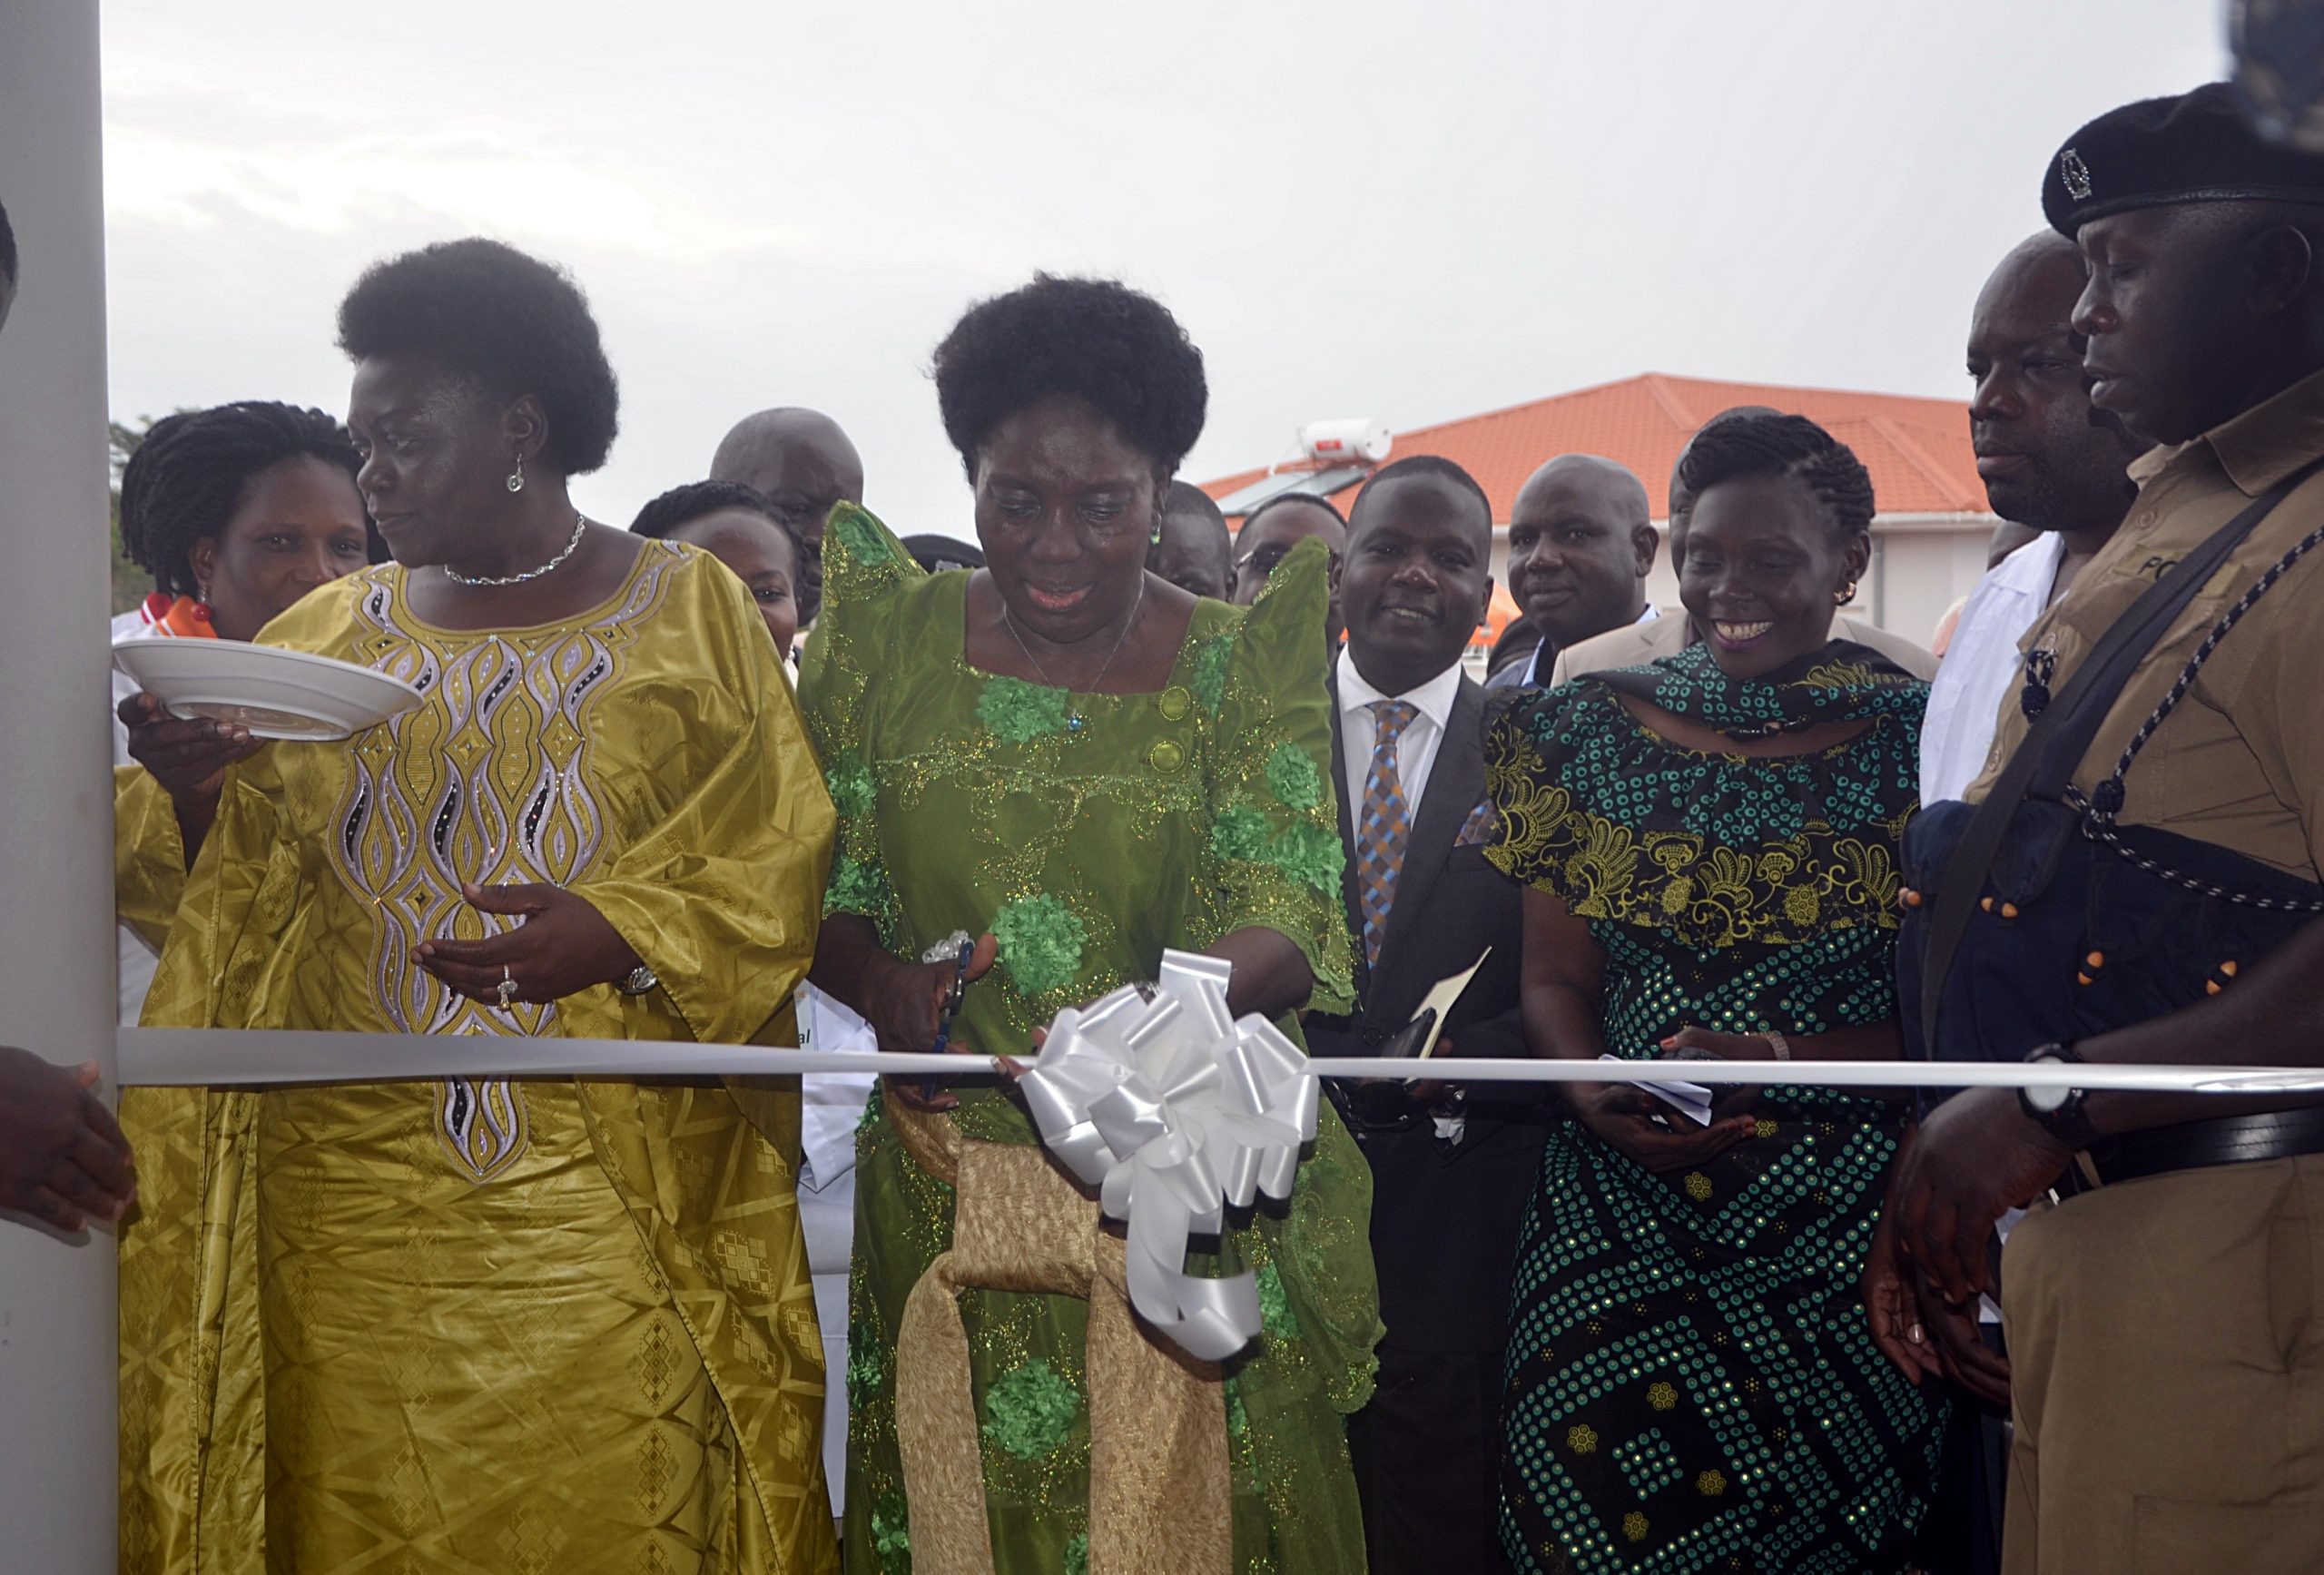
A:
(1410, 212)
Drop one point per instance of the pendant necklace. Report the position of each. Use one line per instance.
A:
(580, 524)
(1073, 723)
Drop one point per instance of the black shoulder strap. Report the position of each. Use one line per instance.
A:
(2054, 746)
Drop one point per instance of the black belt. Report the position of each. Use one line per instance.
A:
(2198, 1145)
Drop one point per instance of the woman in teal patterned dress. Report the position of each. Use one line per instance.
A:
(1081, 764)
(1710, 848)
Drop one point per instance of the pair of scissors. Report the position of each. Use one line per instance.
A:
(952, 1005)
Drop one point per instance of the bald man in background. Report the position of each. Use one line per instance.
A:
(803, 464)
(1582, 543)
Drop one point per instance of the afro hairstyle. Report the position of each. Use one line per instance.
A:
(1096, 340)
(512, 323)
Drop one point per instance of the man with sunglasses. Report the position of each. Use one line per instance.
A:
(1269, 533)
(803, 464)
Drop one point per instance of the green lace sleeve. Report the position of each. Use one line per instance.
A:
(864, 568)
(1275, 858)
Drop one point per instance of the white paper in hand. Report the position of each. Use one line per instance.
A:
(1691, 1098)
(1441, 998)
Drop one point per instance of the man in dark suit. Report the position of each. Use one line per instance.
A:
(1450, 1176)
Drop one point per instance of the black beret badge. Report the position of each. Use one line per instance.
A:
(2075, 174)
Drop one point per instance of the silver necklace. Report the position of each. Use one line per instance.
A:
(1073, 715)
(580, 524)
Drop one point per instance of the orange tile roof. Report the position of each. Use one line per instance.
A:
(1917, 450)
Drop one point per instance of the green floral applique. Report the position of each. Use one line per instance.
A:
(892, 1534)
(1307, 851)
(1292, 774)
(1028, 1412)
(1019, 713)
(856, 887)
(1208, 680)
(864, 542)
(1238, 1420)
(1077, 1554)
(1241, 833)
(1275, 1305)
(1040, 943)
(1304, 850)
(863, 1365)
(853, 789)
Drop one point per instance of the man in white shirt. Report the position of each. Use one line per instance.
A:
(2049, 462)
(2053, 463)
(1582, 543)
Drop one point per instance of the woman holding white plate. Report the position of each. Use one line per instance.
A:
(489, 1323)
(236, 512)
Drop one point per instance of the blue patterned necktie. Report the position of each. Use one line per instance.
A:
(1384, 827)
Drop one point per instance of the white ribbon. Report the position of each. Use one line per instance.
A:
(1175, 1112)
(243, 1058)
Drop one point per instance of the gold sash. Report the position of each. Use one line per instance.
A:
(1160, 1491)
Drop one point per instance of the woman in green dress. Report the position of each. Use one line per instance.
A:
(1710, 848)
(1078, 765)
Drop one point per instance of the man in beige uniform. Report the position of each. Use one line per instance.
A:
(1636, 643)
(2166, 1328)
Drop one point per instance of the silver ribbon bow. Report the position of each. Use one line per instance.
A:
(1175, 1111)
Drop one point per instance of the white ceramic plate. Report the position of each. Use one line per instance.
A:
(275, 694)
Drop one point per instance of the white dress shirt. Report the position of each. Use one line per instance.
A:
(1981, 671)
(1983, 667)
(1416, 749)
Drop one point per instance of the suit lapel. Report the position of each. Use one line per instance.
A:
(1455, 782)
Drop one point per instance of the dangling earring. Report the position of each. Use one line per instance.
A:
(1153, 537)
(1843, 597)
(201, 600)
(517, 477)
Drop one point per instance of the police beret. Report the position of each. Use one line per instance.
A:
(2196, 147)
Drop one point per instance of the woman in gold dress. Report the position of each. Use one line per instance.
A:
(485, 1323)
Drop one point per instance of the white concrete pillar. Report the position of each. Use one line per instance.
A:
(57, 1428)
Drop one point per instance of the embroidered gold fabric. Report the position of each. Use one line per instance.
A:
(481, 1324)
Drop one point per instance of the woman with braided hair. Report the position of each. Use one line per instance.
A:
(236, 512)
(239, 511)
(1710, 848)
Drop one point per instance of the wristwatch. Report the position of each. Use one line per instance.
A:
(638, 980)
(2060, 1112)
